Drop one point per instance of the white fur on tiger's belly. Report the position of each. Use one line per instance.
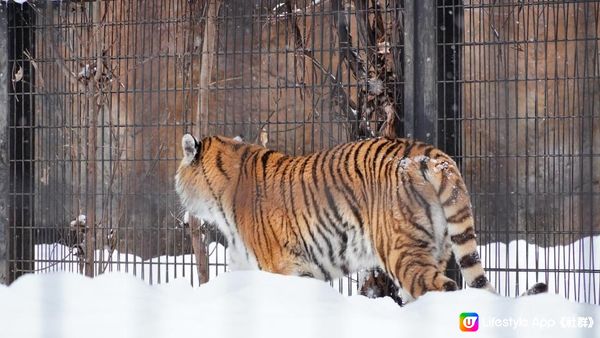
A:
(240, 257)
(358, 260)
(238, 260)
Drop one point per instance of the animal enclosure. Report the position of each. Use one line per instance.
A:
(99, 94)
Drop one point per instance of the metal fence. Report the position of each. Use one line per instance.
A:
(100, 92)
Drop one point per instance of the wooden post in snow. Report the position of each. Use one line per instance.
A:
(201, 124)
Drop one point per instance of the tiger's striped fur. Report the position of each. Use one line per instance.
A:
(397, 204)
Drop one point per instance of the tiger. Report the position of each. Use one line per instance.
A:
(396, 204)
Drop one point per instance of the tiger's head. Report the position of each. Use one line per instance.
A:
(204, 176)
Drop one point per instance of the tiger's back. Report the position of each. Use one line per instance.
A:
(396, 204)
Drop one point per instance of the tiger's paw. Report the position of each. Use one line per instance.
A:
(450, 286)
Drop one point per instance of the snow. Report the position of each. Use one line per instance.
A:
(260, 304)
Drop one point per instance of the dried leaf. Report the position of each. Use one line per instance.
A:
(18, 74)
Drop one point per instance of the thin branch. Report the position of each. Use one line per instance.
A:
(365, 32)
(340, 96)
(346, 50)
(298, 43)
(59, 59)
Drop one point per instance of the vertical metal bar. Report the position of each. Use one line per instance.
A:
(420, 91)
(4, 165)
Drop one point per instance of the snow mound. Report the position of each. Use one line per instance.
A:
(260, 304)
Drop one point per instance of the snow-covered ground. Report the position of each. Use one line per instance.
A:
(259, 304)
(512, 268)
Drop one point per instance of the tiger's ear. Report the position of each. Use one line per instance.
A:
(238, 138)
(190, 148)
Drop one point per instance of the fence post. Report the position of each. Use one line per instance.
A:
(421, 104)
(420, 90)
(21, 120)
(4, 165)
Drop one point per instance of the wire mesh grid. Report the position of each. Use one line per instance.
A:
(102, 91)
(106, 92)
(519, 82)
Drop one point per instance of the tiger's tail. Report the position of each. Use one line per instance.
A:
(443, 174)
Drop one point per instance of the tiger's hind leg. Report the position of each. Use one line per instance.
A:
(418, 273)
(411, 263)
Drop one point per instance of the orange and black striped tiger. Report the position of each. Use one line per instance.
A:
(397, 204)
